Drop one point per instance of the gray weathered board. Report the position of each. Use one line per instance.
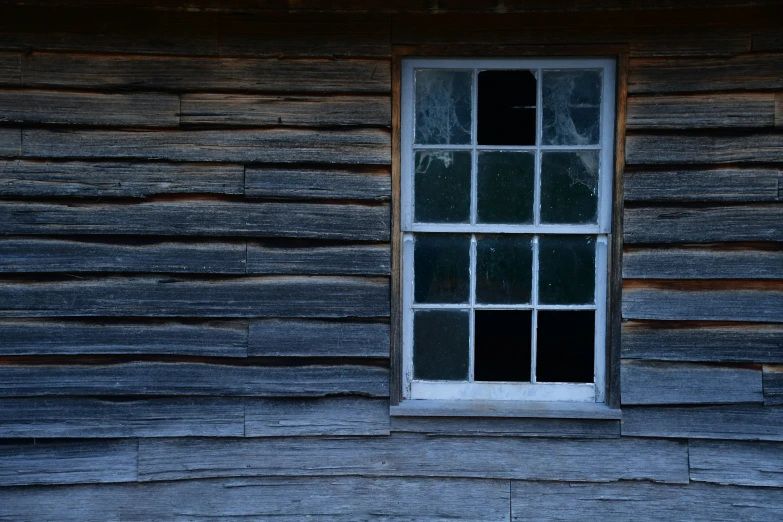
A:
(773, 385)
(716, 262)
(701, 111)
(508, 427)
(656, 149)
(702, 185)
(344, 259)
(303, 183)
(738, 463)
(10, 142)
(295, 338)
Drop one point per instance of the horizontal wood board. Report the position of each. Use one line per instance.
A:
(703, 185)
(734, 422)
(737, 463)
(291, 338)
(703, 263)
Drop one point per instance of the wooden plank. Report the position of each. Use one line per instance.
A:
(743, 72)
(716, 262)
(88, 418)
(90, 108)
(10, 68)
(99, 179)
(146, 296)
(317, 184)
(287, 338)
(192, 378)
(66, 255)
(686, 383)
(414, 455)
(316, 417)
(686, 224)
(502, 427)
(68, 462)
(704, 342)
(199, 217)
(289, 111)
(779, 110)
(10, 142)
(505, 409)
(32, 337)
(321, 75)
(280, 499)
(736, 422)
(643, 502)
(702, 111)
(773, 385)
(656, 149)
(738, 463)
(266, 258)
(355, 146)
(768, 41)
(717, 184)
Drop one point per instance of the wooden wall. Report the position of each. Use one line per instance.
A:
(195, 261)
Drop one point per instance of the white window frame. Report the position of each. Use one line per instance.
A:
(500, 391)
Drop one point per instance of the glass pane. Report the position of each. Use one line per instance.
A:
(572, 107)
(441, 345)
(505, 187)
(506, 108)
(443, 106)
(566, 270)
(502, 349)
(504, 269)
(441, 265)
(564, 351)
(569, 187)
(442, 187)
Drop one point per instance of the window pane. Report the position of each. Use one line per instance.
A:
(506, 108)
(572, 103)
(566, 270)
(565, 351)
(443, 106)
(441, 345)
(441, 264)
(569, 187)
(442, 187)
(502, 346)
(504, 269)
(505, 187)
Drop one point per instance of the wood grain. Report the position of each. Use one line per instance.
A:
(717, 262)
(317, 183)
(773, 385)
(10, 68)
(508, 427)
(267, 258)
(10, 142)
(702, 111)
(738, 463)
(657, 149)
(291, 338)
(768, 41)
(717, 184)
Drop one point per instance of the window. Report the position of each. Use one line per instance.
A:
(506, 173)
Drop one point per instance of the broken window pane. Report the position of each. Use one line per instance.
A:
(506, 108)
(504, 269)
(502, 346)
(572, 101)
(441, 338)
(566, 269)
(441, 264)
(564, 347)
(442, 187)
(443, 106)
(505, 187)
(569, 187)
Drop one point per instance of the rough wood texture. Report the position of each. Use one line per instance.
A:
(656, 149)
(416, 455)
(702, 111)
(703, 342)
(51, 178)
(779, 110)
(678, 383)
(89, 418)
(768, 41)
(290, 111)
(161, 297)
(356, 146)
(317, 184)
(152, 378)
(196, 217)
(10, 142)
(63, 255)
(703, 224)
(33, 337)
(739, 422)
(205, 74)
(506, 409)
(10, 68)
(500, 427)
(266, 258)
(89, 108)
(717, 262)
(280, 499)
(68, 462)
(737, 463)
(724, 184)
(642, 502)
(743, 72)
(281, 338)
(773, 385)
(316, 417)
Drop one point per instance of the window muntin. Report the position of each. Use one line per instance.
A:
(505, 233)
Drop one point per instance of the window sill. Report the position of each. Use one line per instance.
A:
(513, 409)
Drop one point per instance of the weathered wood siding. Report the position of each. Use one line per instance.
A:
(195, 217)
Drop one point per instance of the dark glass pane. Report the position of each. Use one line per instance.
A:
(566, 269)
(441, 345)
(506, 108)
(504, 269)
(569, 187)
(565, 346)
(442, 187)
(572, 105)
(441, 264)
(443, 106)
(502, 349)
(505, 187)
